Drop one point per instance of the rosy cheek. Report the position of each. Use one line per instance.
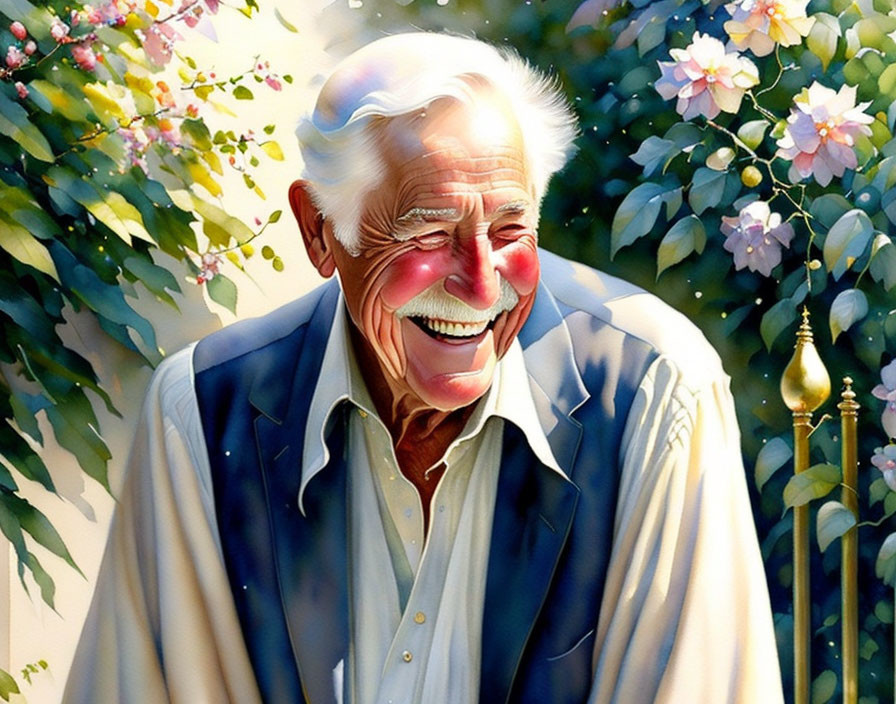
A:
(518, 264)
(411, 273)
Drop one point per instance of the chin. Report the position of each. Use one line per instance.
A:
(453, 391)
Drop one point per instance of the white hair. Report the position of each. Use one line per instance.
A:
(400, 74)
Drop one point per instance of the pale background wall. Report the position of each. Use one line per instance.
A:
(29, 630)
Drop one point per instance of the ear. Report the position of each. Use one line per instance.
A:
(316, 231)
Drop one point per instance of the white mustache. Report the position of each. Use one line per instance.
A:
(437, 304)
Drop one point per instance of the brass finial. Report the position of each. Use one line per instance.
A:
(805, 384)
(849, 405)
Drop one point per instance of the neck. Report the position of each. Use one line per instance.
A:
(420, 434)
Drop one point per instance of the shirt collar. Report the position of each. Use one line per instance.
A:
(340, 380)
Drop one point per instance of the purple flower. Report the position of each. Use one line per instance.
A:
(755, 237)
(760, 25)
(886, 391)
(884, 459)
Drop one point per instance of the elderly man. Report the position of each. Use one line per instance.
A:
(468, 471)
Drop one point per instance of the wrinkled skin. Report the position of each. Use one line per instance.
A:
(455, 214)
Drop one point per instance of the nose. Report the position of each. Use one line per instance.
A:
(475, 280)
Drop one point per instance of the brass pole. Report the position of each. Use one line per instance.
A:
(805, 385)
(849, 588)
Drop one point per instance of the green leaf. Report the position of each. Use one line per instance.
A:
(44, 581)
(282, 20)
(770, 459)
(885, 566)
(37, 526)
(15, 450)
(104, 299)
(775, 320)
(706, 189)
(107, 206)
(846, 241)
(7, 685)
(877, 491)
(14, 123)
(823, 687)
(813, 483)
(654, 152)
(828, 208)
(652, 35)
(883, 261)
(82, 440)
(832, 522)
(868, 649)
(848, 307)
(242, 93)
(22, 245)
(218, 226)
(636, 215)
(157, 279)
(823, 37)
(753, 132)
(223, 292)
(275, 216)
(685, 236)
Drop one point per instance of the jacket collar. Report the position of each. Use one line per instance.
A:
(556, 384)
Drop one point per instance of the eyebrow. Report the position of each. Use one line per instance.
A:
(452, 214)
(417, 214)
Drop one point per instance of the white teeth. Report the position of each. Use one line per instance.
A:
(443, 327)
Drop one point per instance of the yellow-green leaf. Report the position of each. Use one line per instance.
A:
(273, 150)
(22, 245)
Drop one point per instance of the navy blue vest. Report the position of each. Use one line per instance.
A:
(550, 539)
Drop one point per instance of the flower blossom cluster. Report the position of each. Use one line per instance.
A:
(755, 237)
(821, 133)
(760, 25)
(211, 267)
(886, 391)
(18, 54)
(884, 459)
(705, 78)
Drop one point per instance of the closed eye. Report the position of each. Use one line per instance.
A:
(509, 232)
(432, 240)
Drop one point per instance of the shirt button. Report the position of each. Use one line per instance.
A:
(419, 617)
(406, 656)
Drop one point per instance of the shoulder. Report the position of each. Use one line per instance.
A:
(591, 300)
(277, 329)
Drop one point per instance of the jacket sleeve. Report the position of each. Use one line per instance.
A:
(162, 626)
(685, 615)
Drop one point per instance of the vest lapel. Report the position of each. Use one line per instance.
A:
(310, 550)
(533, 514)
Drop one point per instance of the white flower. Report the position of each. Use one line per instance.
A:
(706, 79)
(759, 25)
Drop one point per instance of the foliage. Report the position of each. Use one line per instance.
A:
(743, 165)
(102, 165)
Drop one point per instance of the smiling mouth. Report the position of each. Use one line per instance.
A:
(447, 331)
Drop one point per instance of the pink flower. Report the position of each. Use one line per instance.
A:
(273, 82)
(211, 266)
(21, 89)
(759, 25)
(884, 459)
(821, 132)
(84, 56)
(755, 237)
(18, 30)
(15, 57)
(886, 391)
(30, 48)
(59, 30)
(158, 43)
(212, 6)
(193, 14)
(706, 79)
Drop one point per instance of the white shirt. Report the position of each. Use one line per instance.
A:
(685, 615)
(417, 600)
